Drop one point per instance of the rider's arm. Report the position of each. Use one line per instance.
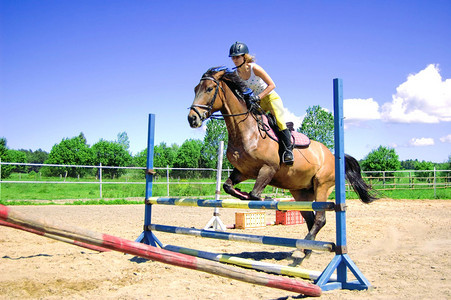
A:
(260, 72)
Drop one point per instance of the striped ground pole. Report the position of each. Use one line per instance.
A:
(249, 263)
(237, 237)
(54, 237)
(142, 250)
(275, 205)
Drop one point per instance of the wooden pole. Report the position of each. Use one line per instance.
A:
(54, 237)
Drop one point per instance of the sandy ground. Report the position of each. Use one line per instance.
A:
(401, 246)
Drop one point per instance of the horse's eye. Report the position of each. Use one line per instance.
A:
(209, 89)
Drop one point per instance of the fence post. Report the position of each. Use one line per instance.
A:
(100, 179)
(167, 179)
(410, 180)
(434, 181)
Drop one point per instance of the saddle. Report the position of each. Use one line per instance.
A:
(299, 140)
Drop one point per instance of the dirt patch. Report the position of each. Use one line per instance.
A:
(401, 246)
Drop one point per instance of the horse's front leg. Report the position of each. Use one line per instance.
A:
(235, 178)
(264, 177)
(314, 221)
(321, 194)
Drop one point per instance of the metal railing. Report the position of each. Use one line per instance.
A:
(380, 180)
(100, 180)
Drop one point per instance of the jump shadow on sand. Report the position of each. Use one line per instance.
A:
(259, 255)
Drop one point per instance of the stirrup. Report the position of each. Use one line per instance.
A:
(288, 161)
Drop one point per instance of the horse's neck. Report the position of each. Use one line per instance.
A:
(241, 127)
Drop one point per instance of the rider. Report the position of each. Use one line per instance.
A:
(263, 87)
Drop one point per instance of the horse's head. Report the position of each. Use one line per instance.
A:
(206, 95)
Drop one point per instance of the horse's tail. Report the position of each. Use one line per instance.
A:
(354, 177)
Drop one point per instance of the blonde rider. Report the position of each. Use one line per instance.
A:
(263, 87)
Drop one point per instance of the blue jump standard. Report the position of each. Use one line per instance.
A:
(341, 262)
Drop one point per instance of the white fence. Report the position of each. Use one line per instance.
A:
(99, 179)
(380, 180)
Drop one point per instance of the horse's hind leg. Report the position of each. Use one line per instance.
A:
(264, 177)
(235, 178)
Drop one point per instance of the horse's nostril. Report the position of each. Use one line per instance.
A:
(192, 120)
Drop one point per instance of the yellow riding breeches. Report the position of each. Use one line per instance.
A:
(274, 105)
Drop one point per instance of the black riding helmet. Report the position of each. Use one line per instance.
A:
(238, 49)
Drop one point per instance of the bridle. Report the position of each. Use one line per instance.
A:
(209, 106)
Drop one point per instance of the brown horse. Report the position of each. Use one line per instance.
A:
(255, 156)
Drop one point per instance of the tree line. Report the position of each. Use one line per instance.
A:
(318, 125)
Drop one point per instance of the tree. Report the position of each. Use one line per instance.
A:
(17, 157)
(6, 169)
(122, 139)
(111, 154)
(188, 156)
(216, 132)
(35, 157)
(3, 148)
(140, 159)
(425, 166)
(72, 151)
(409, 164)
(318, 125)
(381, 159)
(164, 156)
(82, 138)
(7, 155)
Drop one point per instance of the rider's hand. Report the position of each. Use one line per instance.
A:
(254, 99)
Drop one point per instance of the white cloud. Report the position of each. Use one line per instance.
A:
(419, 142)
(446, 139)
(291, 117)
(361, 109)
(423, 98)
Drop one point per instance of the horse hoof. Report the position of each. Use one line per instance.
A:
(254, 197)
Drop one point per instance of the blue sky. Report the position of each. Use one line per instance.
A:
(100, 67)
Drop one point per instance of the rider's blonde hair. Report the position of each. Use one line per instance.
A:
(249, 58)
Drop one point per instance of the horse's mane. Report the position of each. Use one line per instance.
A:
(231, 78)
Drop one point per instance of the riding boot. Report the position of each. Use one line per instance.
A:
(285, 138)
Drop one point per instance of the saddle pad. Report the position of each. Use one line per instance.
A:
(298, 139)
